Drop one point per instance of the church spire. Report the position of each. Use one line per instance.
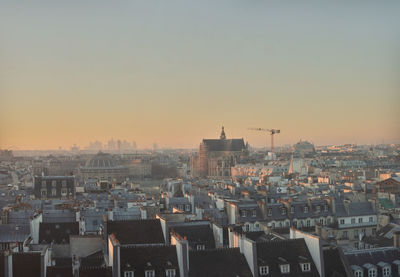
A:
(222, 134)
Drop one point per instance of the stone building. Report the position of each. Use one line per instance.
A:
(216, 156)
(104, 166)
(54, 187)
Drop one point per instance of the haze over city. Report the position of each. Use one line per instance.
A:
(174, 72)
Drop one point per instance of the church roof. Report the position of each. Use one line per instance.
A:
(224, 144)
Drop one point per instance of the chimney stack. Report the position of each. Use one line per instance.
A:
(396, 239)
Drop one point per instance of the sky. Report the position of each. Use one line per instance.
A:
(173, 72)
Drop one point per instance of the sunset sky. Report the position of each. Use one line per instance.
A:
(174, 72)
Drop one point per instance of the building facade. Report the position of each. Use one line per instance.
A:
(54, 187)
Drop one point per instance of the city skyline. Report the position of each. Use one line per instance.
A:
(174, 73)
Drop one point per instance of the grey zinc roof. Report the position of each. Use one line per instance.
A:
(13, 233)
(373, 256)
(20, 217)
(354, 209)
(224, 144)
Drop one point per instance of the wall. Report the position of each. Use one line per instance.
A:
(248, 248)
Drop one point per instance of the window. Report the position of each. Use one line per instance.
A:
(363, 231)
(374, 231)
(43, 192)
(63, 192)
(308, 223)
(345, 234)
(326, 208)
(64, 183)
(285, 268)
(353, 220)
(371, 219)
(43, 184)
(201, 246)
(170, 272)
(356, 245)
(321, 221)
(264, 270)
(243, 213)
(53, 192)
(149, 273)
(386, 271)
(283, 211)
(269, 212)
(128, 274)
(360, 220)
(358, 273)
(54, 183)
(254, 213)
(187, 208)
(305, 209)
(341, 221)
(247, 227)
(355, 234)
(305, 267)
(372, 272)
(318, 209)
(292, 210)
(180, 207)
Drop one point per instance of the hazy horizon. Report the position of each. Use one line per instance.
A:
(174, 72)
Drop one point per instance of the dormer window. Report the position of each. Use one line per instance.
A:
(305, 267)
(269, 212)
(292, 210)
(283, 211)
(285, 268)
(200, 247)
(372, 272)
(243, 213)
(318, 209)
(170, 272)
(305, 209)
(326, 208)
(149, 273)
(129, 274)
(264, 270)
(187, 208)
(358, 273)
(254, 213)
(386, 271)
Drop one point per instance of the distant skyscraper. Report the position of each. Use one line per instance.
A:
(134, 146)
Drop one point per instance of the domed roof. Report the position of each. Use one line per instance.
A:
(101, 160)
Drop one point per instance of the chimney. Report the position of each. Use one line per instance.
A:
(396, 239)
(182, 251)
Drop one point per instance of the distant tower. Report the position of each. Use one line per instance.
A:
(222, 134)
(290, 171)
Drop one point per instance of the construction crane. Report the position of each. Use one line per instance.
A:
(272, 132)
